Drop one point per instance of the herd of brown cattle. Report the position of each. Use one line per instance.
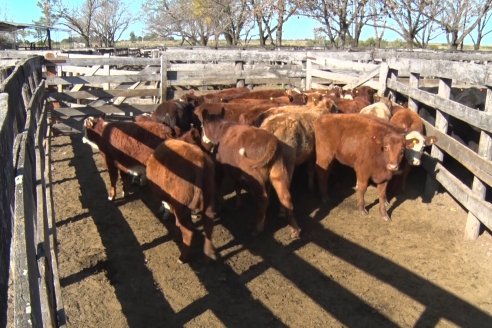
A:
(186, 148)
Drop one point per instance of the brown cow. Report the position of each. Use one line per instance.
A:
(182, 175)
(125, 146)
(252, 157)
(365, 92)
(373, 147)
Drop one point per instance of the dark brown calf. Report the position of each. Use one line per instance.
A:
(252, 157)
(174, 113)
(372, 147)
(125, 146)
(182, 175)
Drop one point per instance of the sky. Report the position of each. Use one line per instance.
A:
(26, 11)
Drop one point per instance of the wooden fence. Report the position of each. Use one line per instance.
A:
(405, 74)
(29, 285)
(87, 85)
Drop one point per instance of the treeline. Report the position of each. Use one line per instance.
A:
(206, 22)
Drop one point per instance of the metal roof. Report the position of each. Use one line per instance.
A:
(11, 27)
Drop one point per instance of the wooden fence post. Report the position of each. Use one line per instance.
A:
(431, 185)
(383, 77)
(309, 72)
(414, 83)
(473, 225)
(163, 90)
(238, 68)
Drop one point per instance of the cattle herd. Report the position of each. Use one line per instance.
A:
(186, 148)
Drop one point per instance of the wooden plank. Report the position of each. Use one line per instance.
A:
(332, 76)
(464, 72)
(479, 189)
(100, 79)
(361, 80)
(480, 208)
(91, 72)
(51, 229)
(383, 77)
(82, 70)
(123, 109)
(480, 166)
(99, 93)
(340, 64)
(163, 90)
(414, 83)
(120, 99)
(472, 116)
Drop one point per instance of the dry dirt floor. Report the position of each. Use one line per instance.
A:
(118, 260)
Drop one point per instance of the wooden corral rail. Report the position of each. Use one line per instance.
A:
(446, 72)
(479, 163)
(29, 278)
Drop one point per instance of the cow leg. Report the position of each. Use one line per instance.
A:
(125, 180)
(361, 187)
(323, 167)
(310, 167)
(113, 178)
(208, 226)
(382, 201)
(281, 185)
(184, 223)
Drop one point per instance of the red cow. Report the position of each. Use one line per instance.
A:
(252, 157)
(182, 175)
(373, 147)
(125, 146)
(365, 92)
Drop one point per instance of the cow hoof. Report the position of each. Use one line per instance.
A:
(295, 234)
(363, 212)
(386, 218)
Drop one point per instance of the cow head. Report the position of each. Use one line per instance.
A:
(415, 143)
(209, 123)
(93, 127)
(392, 145)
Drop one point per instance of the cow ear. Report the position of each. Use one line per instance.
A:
(430, 140)
(305, 98)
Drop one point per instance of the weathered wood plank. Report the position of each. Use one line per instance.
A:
(362, 79)
(100, 79)
(123, 109)
(464, 72)
(99, 93)
(480, 208)
(478, 165)
(472, 116)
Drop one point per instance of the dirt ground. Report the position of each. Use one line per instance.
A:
(118, 260)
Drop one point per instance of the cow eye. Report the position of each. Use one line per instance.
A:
(386, 148)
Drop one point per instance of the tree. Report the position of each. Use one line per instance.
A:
(411, 18)
(342, 20)
(110, 21)
(177, 18)
(483, 23)
(270, 16)
(78, 19)
(459, 18)
(133, 37)
(48, 17)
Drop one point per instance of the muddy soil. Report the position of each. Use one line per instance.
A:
(118, 260)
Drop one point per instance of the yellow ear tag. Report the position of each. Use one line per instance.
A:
(415, 142)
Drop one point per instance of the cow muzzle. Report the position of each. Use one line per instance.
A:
(392, 167)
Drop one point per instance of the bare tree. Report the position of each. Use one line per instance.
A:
(110, 21)
(378, 19)
(78, 18)
(410, 18)
(483, 23)
(270, 16)
(342, 20)
(175, 18)
(459, 18)
(48, 17)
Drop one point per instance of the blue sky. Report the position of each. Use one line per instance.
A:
(26, 11)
